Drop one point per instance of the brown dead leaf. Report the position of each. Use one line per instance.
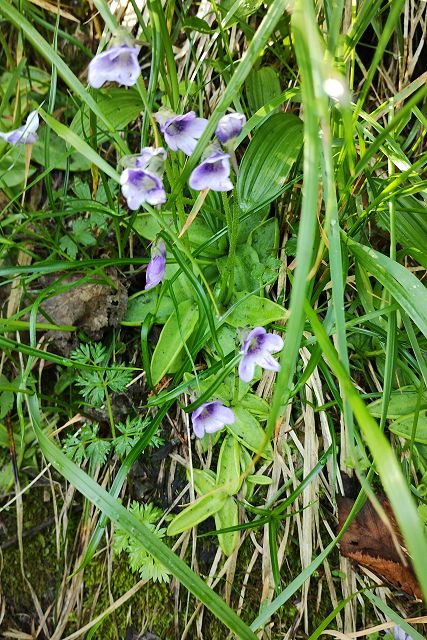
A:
(369, 542)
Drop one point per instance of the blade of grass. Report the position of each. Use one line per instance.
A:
(307, 226)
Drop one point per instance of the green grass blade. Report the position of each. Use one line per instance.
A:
(405, 288)
(79, 145)
(306, 234)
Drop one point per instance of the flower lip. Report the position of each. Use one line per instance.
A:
(139, 186)
(181, 131)
(257, 349)
(26, 134)
(212, 173)
(230, 126)
(211, 417)
(117, 64)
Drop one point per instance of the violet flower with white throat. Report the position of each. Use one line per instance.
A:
(229, 127)
(26, 134)
(213, 172)
(180, 132)
(118, 64)
(211, 417)
(257, 349)
(157, 266)
(141, 180)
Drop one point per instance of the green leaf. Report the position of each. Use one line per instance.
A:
(171, 342)
(262, 86)
(6, 397)
(401, 403)
(12, 167)
(118, 106)
(405, 288)
(244, 8)
(259, 479)
(198, 233)
(82, 234)
(145, 302)
(226, 517)
(404, 427)
(254, 311)
(228, 470)
(248, 431)
(268, 160)
(204, 480)
(255, 405)
(79, 145)
(247, 269)
(197, 24)
(68, 245)
(265, 239)
(199, 510)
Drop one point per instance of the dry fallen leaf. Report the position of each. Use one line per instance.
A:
(369, 542)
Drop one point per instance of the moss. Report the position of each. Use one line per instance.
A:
(41, 567)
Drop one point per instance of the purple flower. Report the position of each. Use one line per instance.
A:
(211, 417)
(142, 181)
(400, 634)
(118, 64)
(181, 132)
(257, 349)
(25, 134)
(212, 173)
(139, 186)
(157, 266)
(230, 126)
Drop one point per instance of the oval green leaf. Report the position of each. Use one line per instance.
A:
(199, 510)
(268, 160)
(204, 480)
(228, 516)
(405, 426)
(228, 472)
(143, 303)
(174, 334)
(248, 431)
(262, 86)
(259, 479)
(254, 311)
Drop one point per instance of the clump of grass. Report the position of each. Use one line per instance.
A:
(307, 226)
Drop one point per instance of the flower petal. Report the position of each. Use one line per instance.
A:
(255, 334)
(156, 267)
(26, 134)
(198, 427)
(118, 64)
(272, 342)
(247, 368)
(266, 361)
